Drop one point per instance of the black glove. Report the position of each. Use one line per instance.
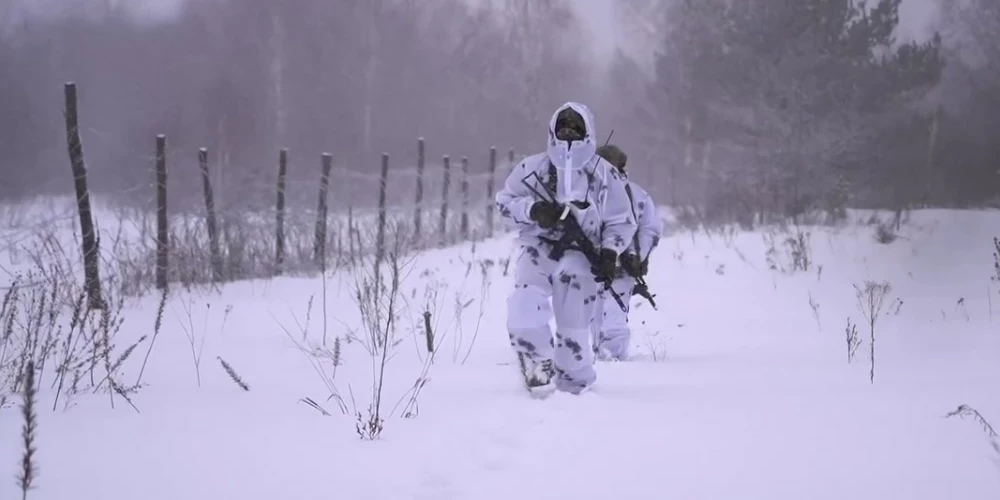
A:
(545, 213)
(633, 265)
(605, 269)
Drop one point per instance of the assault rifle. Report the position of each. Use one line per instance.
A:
(642, 289)
(573, 238)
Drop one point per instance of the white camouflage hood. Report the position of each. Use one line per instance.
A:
(572, 160)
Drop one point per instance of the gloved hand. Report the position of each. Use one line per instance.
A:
(545, 213)
(633, 265)
(605, 269)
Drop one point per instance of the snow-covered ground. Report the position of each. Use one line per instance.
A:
(740, 387)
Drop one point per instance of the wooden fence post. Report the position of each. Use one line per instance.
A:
(464, 224)
(418, 211)
(380, 235)
(319, 242)
(89, 240)
(279, 209)
(210, 217)
(350, 234)
(162, 230)
(490, 195)
(443, 229)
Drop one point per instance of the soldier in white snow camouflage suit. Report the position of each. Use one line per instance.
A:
(590, 190)
(611, 329)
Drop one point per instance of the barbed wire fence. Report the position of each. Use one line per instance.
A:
(192, 224)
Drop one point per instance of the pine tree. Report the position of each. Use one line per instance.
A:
(787, 92)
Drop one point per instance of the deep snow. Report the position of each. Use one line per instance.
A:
(737, 388)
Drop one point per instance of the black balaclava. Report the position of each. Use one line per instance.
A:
(570, 126)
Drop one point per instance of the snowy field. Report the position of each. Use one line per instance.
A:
(740, 386)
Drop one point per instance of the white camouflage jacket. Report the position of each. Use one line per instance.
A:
(578, 178)
(650, 226)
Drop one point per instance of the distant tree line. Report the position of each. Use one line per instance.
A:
(763, 108)
(756, 109)
(245, 78)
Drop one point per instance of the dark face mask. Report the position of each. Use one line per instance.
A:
(570, 126)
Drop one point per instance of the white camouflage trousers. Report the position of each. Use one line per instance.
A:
(565, 289)
(612, 335)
